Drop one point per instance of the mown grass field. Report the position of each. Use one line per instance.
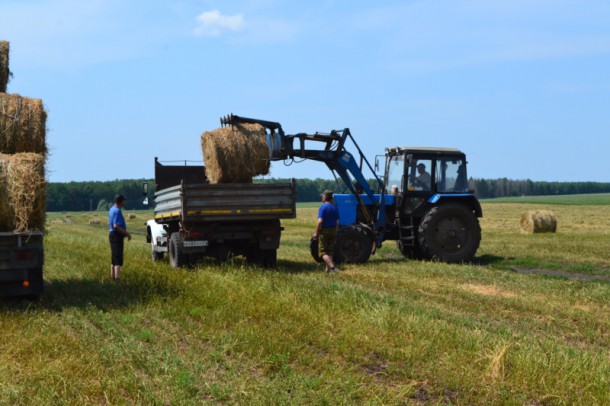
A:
(387, 332)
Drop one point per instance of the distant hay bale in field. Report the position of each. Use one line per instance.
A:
(538, 221)
(22, 125)
(94, 222)
(235, 154)
(5, 73)
(132, 216)
(22, 192)
(56, 221)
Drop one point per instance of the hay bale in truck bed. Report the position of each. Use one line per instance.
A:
(22, 192)
(538, 221)
(22, 125)
(236, 153)
(5, 73)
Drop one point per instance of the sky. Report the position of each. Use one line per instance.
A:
(521, 86)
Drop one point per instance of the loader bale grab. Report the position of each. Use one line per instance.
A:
(235, 154)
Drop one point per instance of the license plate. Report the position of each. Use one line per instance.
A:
(203, 243)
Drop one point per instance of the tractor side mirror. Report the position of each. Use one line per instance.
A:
(145, 192)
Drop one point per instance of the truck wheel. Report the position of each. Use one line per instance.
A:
(449, 233)
(177, 258)
(263, 258)
(156, 256)
(353, 245)
(269, 258)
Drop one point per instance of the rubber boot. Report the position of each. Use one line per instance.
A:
(117, 272)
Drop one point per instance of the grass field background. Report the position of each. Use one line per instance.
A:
(390, 331)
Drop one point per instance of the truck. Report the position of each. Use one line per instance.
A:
(422, 200)
(21, 262)
(194, 219)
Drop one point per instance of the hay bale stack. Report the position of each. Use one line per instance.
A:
(22, 125)
(236, 153)
(22, 192)
(538, 221)
(5, 73)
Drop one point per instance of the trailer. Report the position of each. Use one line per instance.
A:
(21, 262)
(194, 219)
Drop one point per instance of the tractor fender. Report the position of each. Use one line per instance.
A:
(466, 199)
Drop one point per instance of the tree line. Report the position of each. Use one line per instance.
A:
(504, 187)
(99, 196)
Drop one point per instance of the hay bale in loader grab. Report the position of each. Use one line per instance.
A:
(22, 192)
(5, 73)
(236, 153)
(538, 221)
(22, 125)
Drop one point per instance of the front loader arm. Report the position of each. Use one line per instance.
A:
(332, 152)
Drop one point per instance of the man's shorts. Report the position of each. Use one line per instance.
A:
(326, 241)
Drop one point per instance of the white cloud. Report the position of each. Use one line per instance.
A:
(213, 23)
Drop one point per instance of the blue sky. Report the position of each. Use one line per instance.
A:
(523, 87)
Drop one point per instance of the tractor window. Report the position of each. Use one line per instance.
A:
(451, 175)
(419, 174)
(396, 170)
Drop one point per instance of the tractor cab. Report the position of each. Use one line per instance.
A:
(417, 174)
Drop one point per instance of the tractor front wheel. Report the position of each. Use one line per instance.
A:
(354, 245)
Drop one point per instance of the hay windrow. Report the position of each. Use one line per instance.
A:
(538, 221)
(5, 73)
(22, 192)
(22, 125)
(236, 153)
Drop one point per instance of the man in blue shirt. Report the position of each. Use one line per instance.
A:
(326, 230)
(117, 233)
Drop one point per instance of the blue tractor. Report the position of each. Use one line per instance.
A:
(423, 201)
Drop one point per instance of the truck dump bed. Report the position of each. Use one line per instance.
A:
(202, 202)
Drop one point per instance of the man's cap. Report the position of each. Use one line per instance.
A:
(327, 194)
(119, 198)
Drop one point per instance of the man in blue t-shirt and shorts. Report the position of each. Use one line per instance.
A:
(117, 234)
(326, 230)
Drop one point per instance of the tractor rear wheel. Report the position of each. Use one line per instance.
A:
(449, 233)
(409, 251)
(354, 245)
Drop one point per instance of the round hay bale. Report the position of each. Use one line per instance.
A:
(132, 216)
(23, 125)
(538, 221)
(236, 153)
(22, 192)
(5, 73)
(94, 222)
